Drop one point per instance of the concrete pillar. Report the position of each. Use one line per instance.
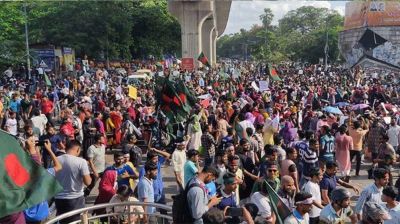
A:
(191, 15)
(214, 46)
(206, 38)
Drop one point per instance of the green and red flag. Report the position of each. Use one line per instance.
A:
(175, 100)
(278, 207)
(273, 73)
(23, 182)
(203, 59)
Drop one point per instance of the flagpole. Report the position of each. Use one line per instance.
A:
(326, 47)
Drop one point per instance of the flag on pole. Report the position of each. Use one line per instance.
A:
(278, 207)
(203, 59)
(23, 182)
(273, 73)
(47, 80)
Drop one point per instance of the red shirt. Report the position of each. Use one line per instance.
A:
(47, 106)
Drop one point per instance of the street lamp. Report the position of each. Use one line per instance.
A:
(28, 61)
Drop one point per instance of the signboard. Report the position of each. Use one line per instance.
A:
(263, 85)
(187, 64)
(371, 13)
(67, 50)
(44, 58)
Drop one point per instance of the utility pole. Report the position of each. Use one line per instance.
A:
(28, 60)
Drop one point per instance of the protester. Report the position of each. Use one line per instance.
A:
(303, 203)
(392, 206)
(146, 191)
(74, 175)
(339, 209)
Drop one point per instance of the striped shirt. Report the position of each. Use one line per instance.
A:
(308, 157)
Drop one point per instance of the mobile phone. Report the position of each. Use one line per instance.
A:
(40, 143)
(234, 212)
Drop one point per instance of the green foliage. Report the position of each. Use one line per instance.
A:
(300, 36)
(99, 29)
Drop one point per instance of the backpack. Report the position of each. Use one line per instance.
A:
(135, 154)
(180, 206)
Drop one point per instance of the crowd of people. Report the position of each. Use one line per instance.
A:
(246, 155)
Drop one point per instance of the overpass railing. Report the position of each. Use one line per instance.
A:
(127, 216)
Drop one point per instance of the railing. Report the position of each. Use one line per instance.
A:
(87, 217)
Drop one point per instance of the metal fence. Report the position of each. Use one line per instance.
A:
(127, 216)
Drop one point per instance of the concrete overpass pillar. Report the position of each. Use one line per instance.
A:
(206, 38)
(191, 15)
(214, 37)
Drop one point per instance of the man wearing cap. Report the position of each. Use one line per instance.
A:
(303, 201)
(339, 209)
(227, 194)
(178, 162)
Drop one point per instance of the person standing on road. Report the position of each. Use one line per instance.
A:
(146, 191)
(97, 161)
(303, 201)
(313, 188)
(74, 175)
(339, 209)
(178, 161)
(373, 192)
(197, 196)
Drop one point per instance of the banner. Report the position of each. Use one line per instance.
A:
(371, 13)
(263, 85)
(187, 64)
(132, 92)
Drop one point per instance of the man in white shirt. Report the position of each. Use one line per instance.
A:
(394, 134)
(313, 188)
(39, 122)
(178, 161)
(261, 200)
(96, 154)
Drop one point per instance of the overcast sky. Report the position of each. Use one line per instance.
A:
(244, 14)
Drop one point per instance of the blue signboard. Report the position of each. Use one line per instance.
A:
(44, 57)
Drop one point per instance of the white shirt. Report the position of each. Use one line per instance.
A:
(314, 190)
(39, 122)
(12, 126)
(263, 204)
(178, 161)
(393, 133)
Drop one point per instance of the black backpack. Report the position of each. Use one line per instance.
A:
(181, 213)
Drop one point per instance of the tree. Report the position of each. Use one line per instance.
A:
(267, 18)
(300, 36)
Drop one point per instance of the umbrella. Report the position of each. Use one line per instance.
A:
(333, 110)
(359, 106)
(341, 104)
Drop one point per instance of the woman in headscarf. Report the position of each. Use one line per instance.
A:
(194, 131)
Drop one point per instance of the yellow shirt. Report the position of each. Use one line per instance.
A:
(357, 135)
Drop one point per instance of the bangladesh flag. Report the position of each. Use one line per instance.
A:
(278, 207)
(274, 73)
(23, 182)
(203, 59)
(175, 100)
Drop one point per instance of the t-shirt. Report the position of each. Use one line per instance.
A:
(394, 213)
(357, 135)
(327, 146)
(146, 191)
(328, 183)
(124, 168)
(14, 105)
(71, 176)
(329, 215)
(97, 154)
(263, 204)
(314, 190)
(12, 126)
(393, 133)
(190, 171)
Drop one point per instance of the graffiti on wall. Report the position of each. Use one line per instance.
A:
(388, 52)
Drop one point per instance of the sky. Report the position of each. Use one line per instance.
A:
(244, 14)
